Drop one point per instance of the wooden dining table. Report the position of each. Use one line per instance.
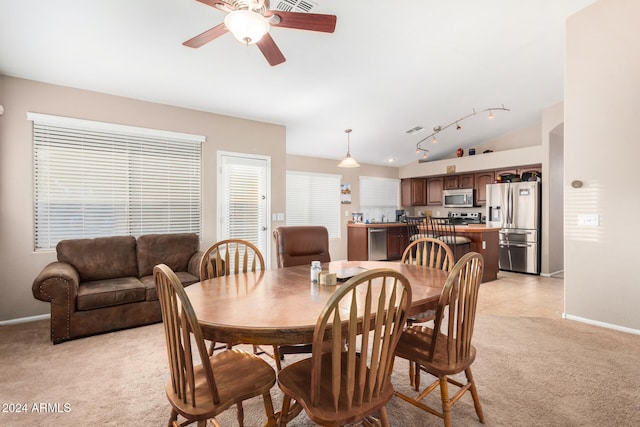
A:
(281, 306)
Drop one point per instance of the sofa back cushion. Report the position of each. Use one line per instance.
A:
(100, 258)
(175, 250)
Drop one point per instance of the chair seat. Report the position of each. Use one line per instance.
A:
(238, 370)
(294, 380)
(414, 345)
(458, 240)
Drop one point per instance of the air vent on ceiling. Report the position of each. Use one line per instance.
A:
(414, 130)
(295, 5)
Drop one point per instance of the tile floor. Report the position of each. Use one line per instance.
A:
(515, 294)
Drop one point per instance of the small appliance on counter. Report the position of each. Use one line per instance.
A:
(357, 217)
(400, 215)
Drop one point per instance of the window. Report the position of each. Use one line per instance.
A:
(378, 197)
(314, 199)
(95, 179)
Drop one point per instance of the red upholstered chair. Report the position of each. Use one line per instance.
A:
(299, 245)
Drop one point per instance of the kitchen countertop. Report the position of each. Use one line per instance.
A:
(471, 228)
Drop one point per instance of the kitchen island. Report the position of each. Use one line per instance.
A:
(484, 240)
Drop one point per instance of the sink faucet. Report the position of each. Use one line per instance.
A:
(382, 218)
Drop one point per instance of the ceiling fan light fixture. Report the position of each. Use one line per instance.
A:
(348, 161)
(246, 26)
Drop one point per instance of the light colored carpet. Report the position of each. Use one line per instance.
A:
(529, 371)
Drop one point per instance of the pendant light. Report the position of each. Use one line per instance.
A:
(348, 162)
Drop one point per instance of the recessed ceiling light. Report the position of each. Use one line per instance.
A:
(392, 159)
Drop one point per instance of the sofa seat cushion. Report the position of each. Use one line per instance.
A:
(110, 292)
(150, 285)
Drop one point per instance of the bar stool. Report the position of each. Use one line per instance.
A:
(443, 229)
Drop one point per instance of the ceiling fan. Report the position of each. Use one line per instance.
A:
(249, 22)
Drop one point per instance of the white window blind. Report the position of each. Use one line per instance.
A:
(242, 197)
(314, 199)
(95, 179)
(378, 197)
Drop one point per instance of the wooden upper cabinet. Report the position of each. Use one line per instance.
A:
(452, 182)
(466, 180)
(413, 192)
(434, 191)
(481, 181)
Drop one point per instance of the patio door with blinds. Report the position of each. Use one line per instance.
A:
(244, 199)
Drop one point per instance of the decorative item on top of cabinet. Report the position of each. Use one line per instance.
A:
(413, 192)
(434, 191)
(516, 172)
(481, 181)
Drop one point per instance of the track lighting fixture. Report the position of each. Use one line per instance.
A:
(438, 129)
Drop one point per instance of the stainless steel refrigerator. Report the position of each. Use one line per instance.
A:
(515, 208)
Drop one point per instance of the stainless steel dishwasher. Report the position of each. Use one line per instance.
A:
(377, 244)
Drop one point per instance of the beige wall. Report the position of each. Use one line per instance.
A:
(18, 262)
(602, 112)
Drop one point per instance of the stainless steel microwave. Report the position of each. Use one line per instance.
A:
(462, 198)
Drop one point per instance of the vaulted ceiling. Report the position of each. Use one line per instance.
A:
(387, 68)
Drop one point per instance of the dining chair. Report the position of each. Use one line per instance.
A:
(443, 229)
(432, 253)
(417, 228)
(199, 392)
(299, 245)
(232, 256)
(339, 386)
(445, 349)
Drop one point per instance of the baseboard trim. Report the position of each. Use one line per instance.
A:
(552, 274)
(602, 324)
(25, 319)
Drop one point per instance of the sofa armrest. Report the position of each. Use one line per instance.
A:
(57, 280)
(58, 283)
(194, 264)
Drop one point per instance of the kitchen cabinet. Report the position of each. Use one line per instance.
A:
(397, 241)
(481, 180)
(434, 191)
(413, 192)
(452, 182)
(357, 243)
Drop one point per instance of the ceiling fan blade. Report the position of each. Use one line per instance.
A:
(207, 36)
(270, 50)
(303, 21)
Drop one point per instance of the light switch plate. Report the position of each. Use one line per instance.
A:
(588, 220)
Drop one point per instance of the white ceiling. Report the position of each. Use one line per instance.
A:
(388, 67)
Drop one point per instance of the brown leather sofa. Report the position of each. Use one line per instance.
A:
(299, 245)
(105, 284)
